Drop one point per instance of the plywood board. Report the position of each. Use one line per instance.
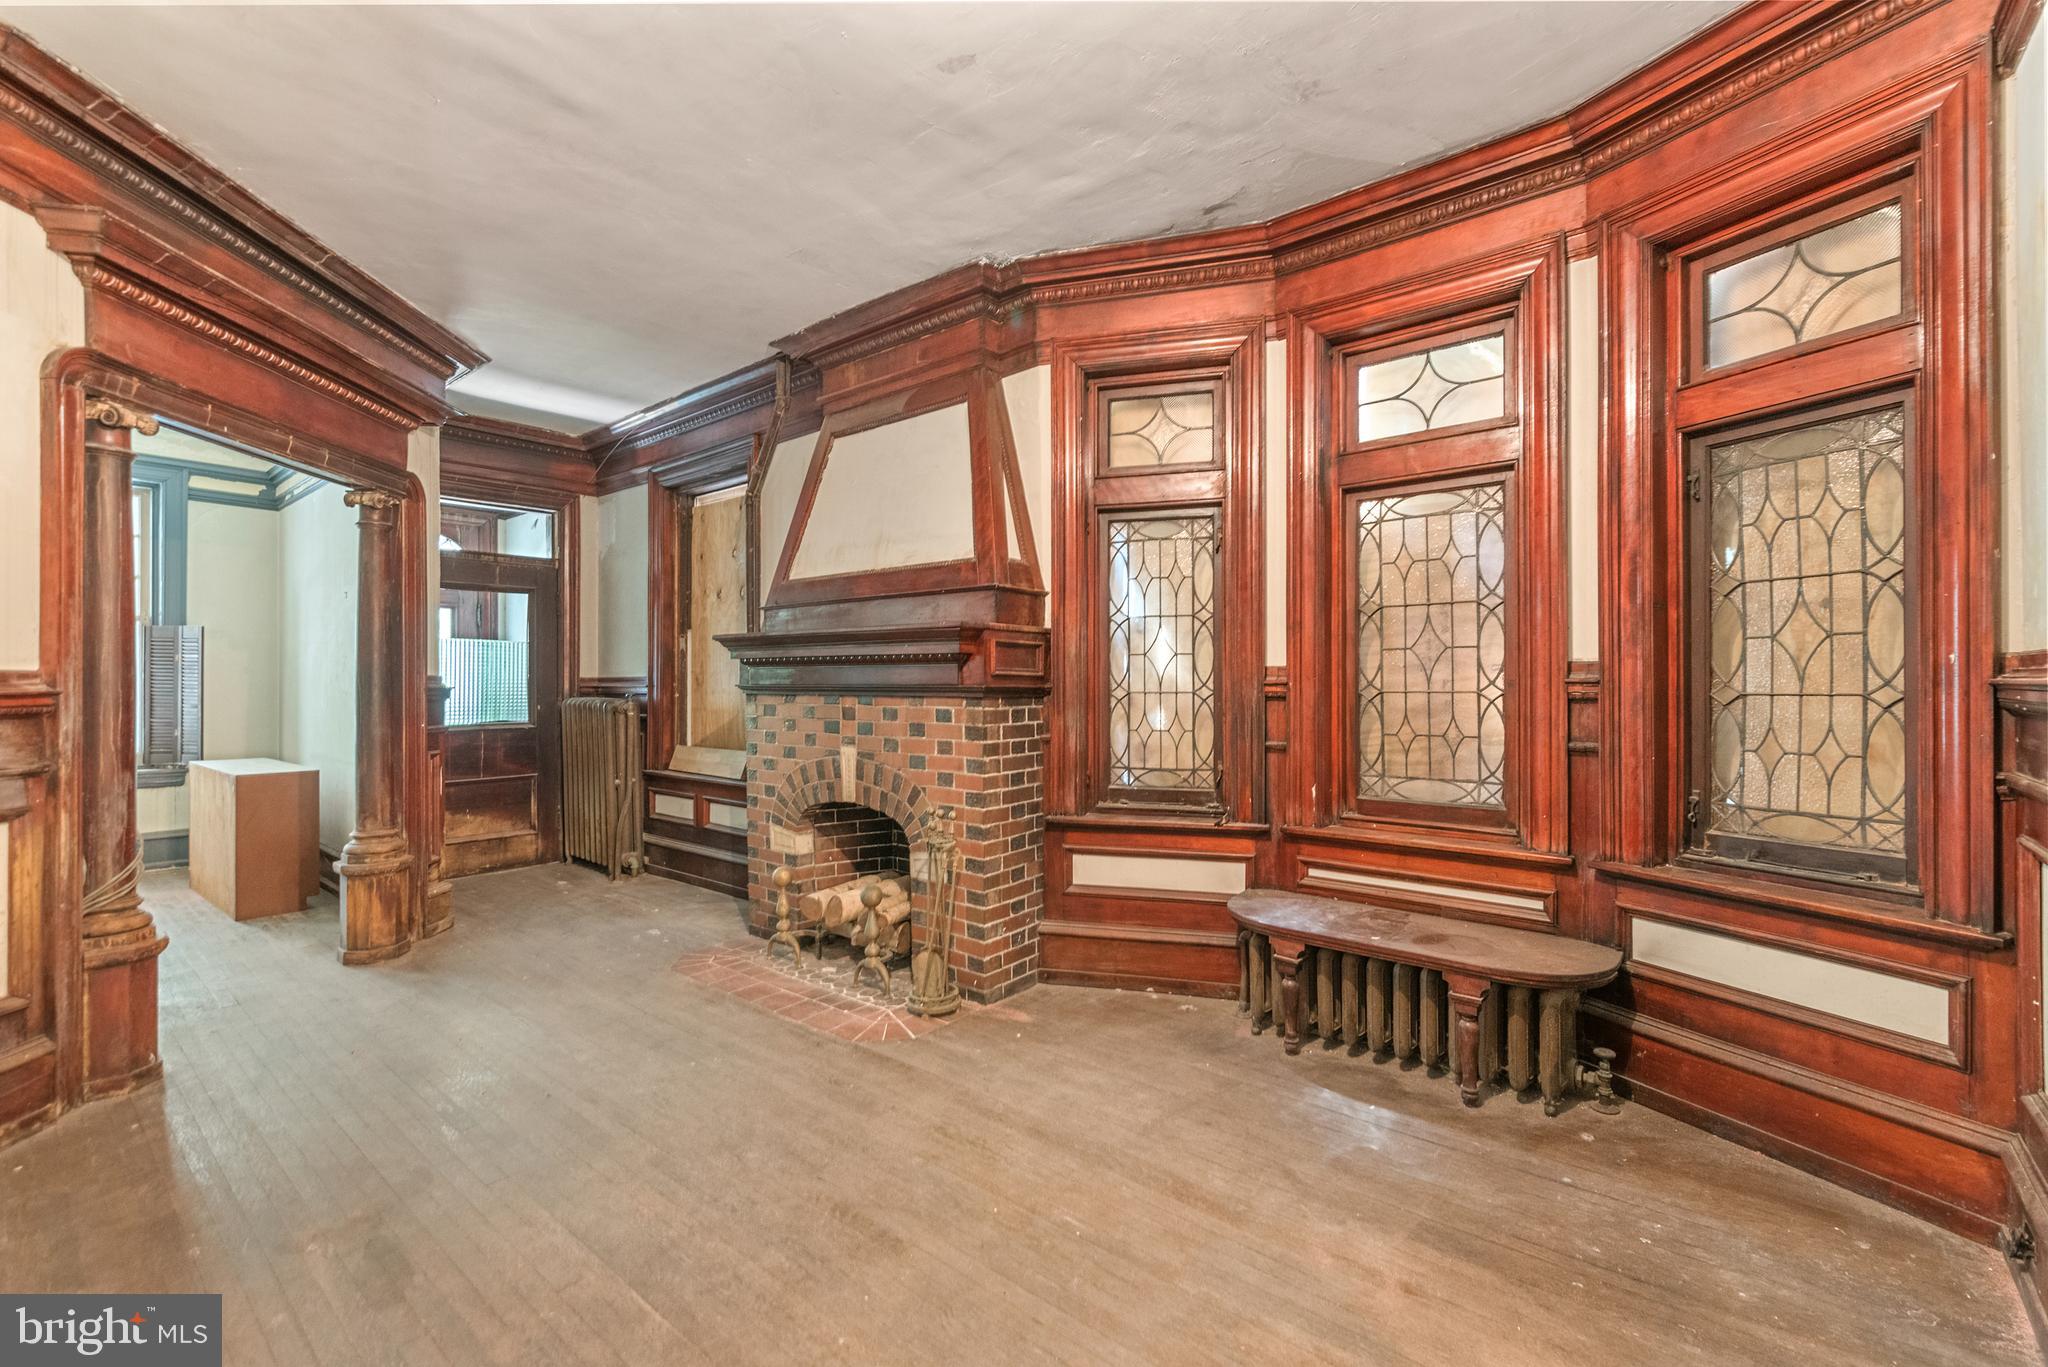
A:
(718, 605)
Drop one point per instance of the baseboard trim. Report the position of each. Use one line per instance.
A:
(1941, 1167)
(166, 849)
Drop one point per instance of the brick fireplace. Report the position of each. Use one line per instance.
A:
(834, 777)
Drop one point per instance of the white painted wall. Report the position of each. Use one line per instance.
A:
(779, 490)
(621, 617)
(895, 495)
(317, 643)
(1582, 467)
(232, 590)
(42, 309)
(1028, 396)
(2023, 311)
(1275, 437)
(1903, 1005)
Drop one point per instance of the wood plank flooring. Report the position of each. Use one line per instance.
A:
(533, 1142)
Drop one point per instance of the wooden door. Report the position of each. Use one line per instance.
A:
(502, 750)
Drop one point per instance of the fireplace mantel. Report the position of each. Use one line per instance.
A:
(948, 659)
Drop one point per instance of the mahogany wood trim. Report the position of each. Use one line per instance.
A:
(1522, 282)
(2012, 31)
(1924, 119)
(1227, 357)
(1163, 935)
(1802, 899)
(509, 462)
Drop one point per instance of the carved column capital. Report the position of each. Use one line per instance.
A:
(379, 500)
(107, 413)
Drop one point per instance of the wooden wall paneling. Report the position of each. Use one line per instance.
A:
(685, 840)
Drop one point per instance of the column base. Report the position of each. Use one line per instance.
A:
(120, 1010)
(375, 873)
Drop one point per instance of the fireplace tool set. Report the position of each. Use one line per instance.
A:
(882, 924)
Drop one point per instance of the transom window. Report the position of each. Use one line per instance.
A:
(1844, 276)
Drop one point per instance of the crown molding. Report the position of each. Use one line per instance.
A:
(98, 276)
(2011, 32)
(89, 125)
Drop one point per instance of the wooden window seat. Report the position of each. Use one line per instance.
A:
(1387, 977)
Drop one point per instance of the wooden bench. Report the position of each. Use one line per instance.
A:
(1496, 999)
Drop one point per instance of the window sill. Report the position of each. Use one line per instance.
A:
(1432, 840)
(160, 778)
(1818, 902)
(1163, 822)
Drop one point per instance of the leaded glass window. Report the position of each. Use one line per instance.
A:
(1162, 656)
(1432, 646)
(1826, 282)
(1162, 429)
(1445, 386)
(1807, 637)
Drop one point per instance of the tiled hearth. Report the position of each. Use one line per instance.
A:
(906, 758)
(817, 995)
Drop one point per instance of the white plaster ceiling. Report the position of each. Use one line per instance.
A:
(619, 202)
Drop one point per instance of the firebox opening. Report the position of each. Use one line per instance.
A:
(852, 847)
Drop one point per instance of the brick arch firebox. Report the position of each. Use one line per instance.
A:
(813, 756)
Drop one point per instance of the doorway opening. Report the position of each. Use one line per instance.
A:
(499, 629)
(245, 583)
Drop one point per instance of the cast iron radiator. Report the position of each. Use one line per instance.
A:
(601, 783)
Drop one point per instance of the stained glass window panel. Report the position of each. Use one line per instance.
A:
(1162, 656)
(1839, 278)
(1165, 429)
(1807, 636)
(1432, 646)
(1445, 386)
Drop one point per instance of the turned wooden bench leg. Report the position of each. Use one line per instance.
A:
(1287, 966)
(1467, 994)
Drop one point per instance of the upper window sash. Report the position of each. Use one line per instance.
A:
(1428, 384)
(1829, 269)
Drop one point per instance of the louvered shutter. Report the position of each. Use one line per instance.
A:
(172, 674)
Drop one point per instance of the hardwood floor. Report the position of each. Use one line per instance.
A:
(533, 1142)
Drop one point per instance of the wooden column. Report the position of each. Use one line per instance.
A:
(376, 863)
(119, 941)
